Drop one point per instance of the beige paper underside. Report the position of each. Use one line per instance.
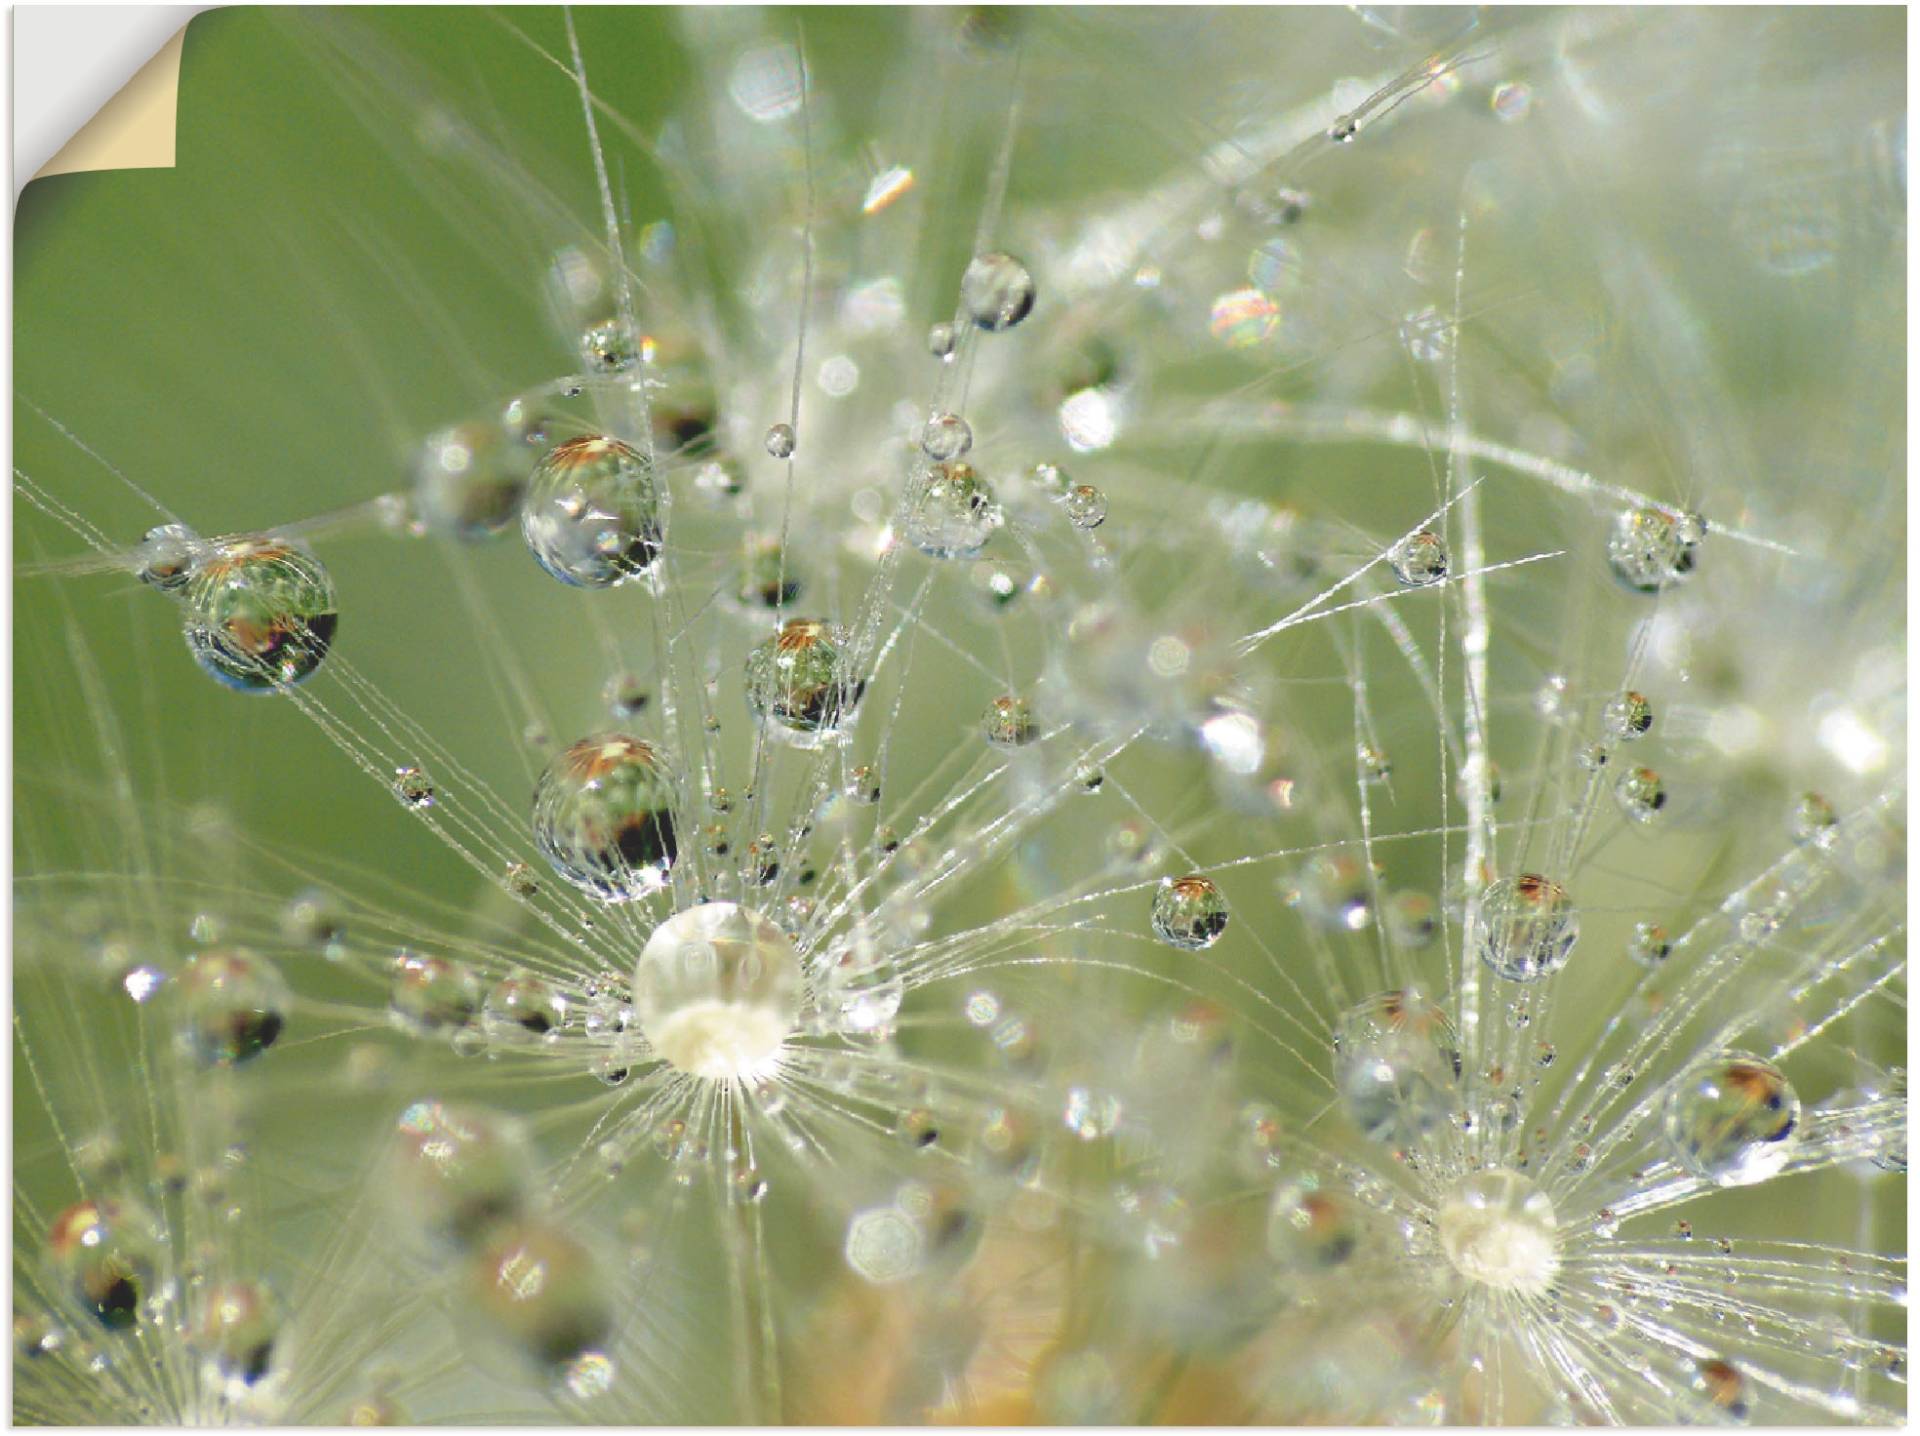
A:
(134, 129)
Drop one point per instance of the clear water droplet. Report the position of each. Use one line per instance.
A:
(603, 816)
(996, 291)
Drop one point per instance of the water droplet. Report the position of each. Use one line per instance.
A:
(540, 1290)
(1313, 1225)
(625, 695)
(238, 1325)
(411, 787)
(940, 342)
(951, 510)
(1374, 765)
(167, 556)
(862, 989)
(1343, 129)
(919, 1129)
(1499, 1229)
(1086, 506)
(1396, 1064)
(884, 1245)
(1528, 926)
(1091, 1113)
(432, 994)
(1511, 101)
(1335, 891)
(1640, 794)
(460, 1170)
(1009, 722)
(946, 436)
(863, 785)
(524, 1002)
(105, 1252)
(1628, 716)
(1733, 1119)
(781, 440)
(591, 1374)
(1651, 549)
(767, 578)
(259, 614)
(1089, 776)
(315, 918)
(717, 991)
(996, 291)
(1412, 920)
(235, 1005)
(603, 816)
(1723, 1386)
(1189, 913)
(1812, 820)
(1243, 318)
(1649, 945)
(799, 679)
(606, 349)
(1418, 559)
(591, 515)
(1428, 335)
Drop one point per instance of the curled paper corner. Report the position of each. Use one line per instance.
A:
(135, 127)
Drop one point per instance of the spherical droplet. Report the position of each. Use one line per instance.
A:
(940, 342)
(104, 1252)
(717, 991)
(951, 511)
(781, 440)
(541, 1290)
(1511, 101)
(1651, 549)
(1086, 506)
(591, 514)
(460, 1170)
(1628, 716)
(1640, 794)
(1418, 559)
(412, 787)
(1009, 722)
(235, 1005)
(1733, 1119)
(800, 680)
(1091, 1113)
(1343, 129)
(1528, 926)
(946, 436)
(1499, 1229)
(1243, 318)
(626, 696)
(167, 556)
(996, 291)
(524, 1002)
(1312, 1225)
(1396, 1066)
(606, 349)
(768, 577)
(1412, 920)
(432, 994)
(861, 989)
(884, 1245)
(259, 614)
(603, 815)
(1335, 891)
(469, 481)
(1723, 1386)
(1811, 820)
(1649, 944)
(1189, 913)
(238, 1324)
